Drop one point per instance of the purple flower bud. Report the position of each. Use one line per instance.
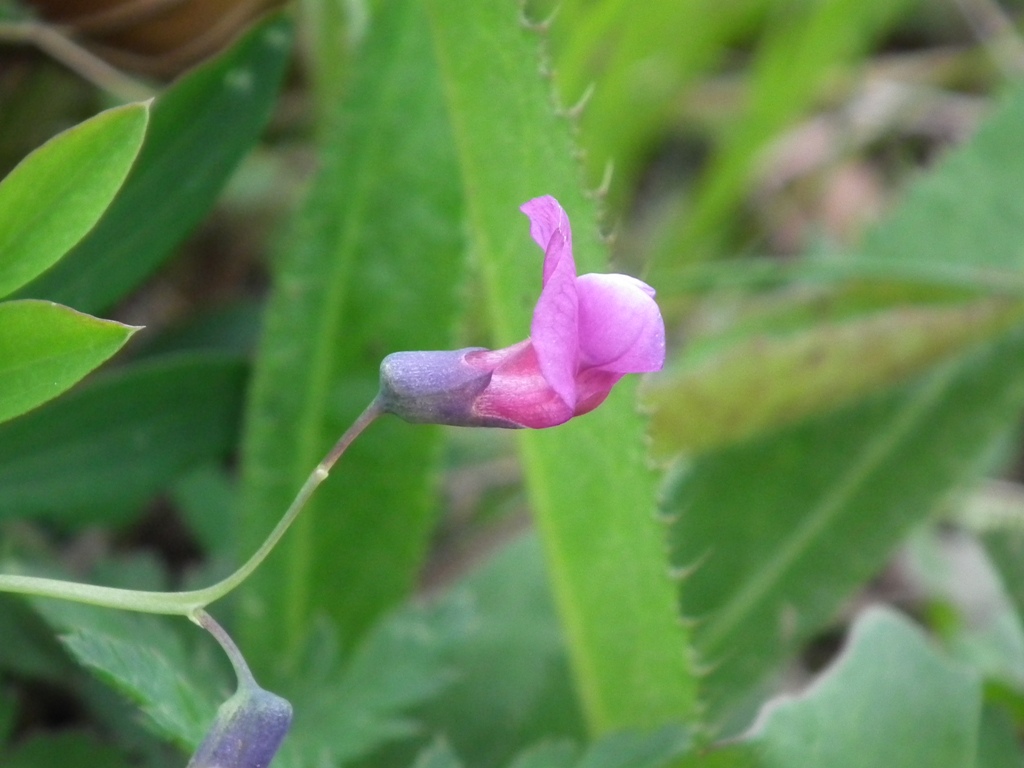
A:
(433, 388)
(247, 732)
(587, 333)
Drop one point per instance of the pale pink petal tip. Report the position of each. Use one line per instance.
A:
(620, 325)
(546, 217)
(554, 331)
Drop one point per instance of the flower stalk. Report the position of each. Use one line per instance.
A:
(251, 725)
(189, 603)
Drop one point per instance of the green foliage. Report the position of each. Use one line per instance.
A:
(200, 130)
(57, 193)
(45, 348)
(346, 713)
(801, 539)
(30, 650)
(438, 755)
(47, 203)
(1006, 548)
(145, 659)
(7, 714)
(513, 685)
(965, 213)
(71, 750)
(997, 742)
(119, 440)
(721, 399)
(657, 749)
(371, 266)
(919, 708)
(151, 679)
(803, 535)
(644, 61)
(587, 480)
(806, 44)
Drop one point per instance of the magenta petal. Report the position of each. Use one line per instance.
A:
(554, 326)
(554, 331)
(518, 393)
(549, 227)
(620, 325)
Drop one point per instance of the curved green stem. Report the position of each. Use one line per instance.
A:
(242, 672)
(189, 603)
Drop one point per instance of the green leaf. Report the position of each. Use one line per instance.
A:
(654, 749)
(1006, 548)
(345, 713)
(56, 194)
(373, 265)
(45, 348)
(639, 66)
(121, 439)
(806, 45)
(722, 398)
(205, 498)
(151, 679)
(998, 745)
(966, 212)
(950, 571)
(513, 685)
(200, 130)
(591, 491)
(657, 749)
(29, 649)
(777, 532)
(888, 700)
(438, 755)
(146, 659)
(8, 711)
(67, 749)
(551, 754)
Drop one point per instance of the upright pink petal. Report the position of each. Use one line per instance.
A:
(620, 325)
(554, 329)
(549, 227)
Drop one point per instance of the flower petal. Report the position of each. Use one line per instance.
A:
(549, 227)
(554, 329)
(518, 393)
(620, 325)
(593, 386)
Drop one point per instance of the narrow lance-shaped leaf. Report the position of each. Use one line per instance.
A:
(591, 492)
(372, 266)
(57, 193)
(722, 398)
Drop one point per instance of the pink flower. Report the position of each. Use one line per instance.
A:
(587, 333)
